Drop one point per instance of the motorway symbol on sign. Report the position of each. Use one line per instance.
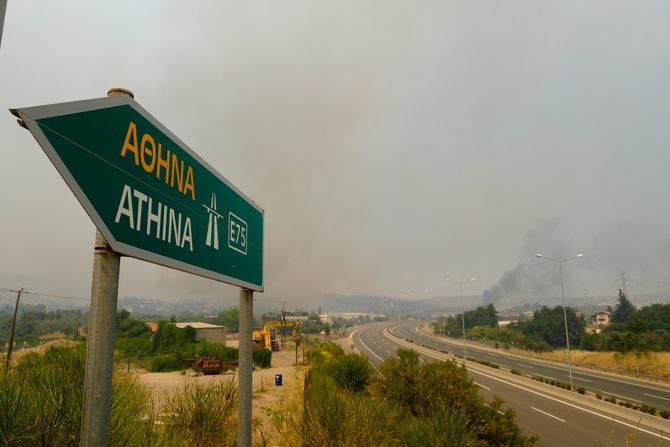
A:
(147, 192)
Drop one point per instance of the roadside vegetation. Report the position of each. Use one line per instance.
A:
(405, 403)
(638, 340)
(171, 348)
(41, 402)
(36, 325)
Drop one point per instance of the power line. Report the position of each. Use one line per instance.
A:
(77, 298)
(623, 278)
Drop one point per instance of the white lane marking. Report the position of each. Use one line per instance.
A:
(540, 364)
(657, 397)
(487, 405)
(609, 418)
(370, 350)
(601, 377)
(546, 377)
(623, 397)
(480, 385)
(550, 415)
(607, 378)
(581, 378)
(529, 367)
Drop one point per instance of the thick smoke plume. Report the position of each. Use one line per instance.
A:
(640, 249)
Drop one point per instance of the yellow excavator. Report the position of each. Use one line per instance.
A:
(266, 337)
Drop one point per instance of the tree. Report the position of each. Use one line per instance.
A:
(170, 338)
(650, 318)
(624, 309)
(230, 318)
(128, 327)
(548, 325)
(482, 316)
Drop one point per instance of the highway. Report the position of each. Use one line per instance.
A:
(622, 388)
(558, 417)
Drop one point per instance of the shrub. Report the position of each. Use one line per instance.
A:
(648, 409)
(424, 390)
(131, 418)
(262, 357)
(201, 415)
(581, 390)
(352, 372)
(331, 348)
(167, 362)
(139, 346)
(43, 394)
(221, 352)
(332, 419)
(445, 428)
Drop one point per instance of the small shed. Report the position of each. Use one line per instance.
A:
(211, 333)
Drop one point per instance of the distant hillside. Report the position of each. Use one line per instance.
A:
(453, 303)
(375, 304)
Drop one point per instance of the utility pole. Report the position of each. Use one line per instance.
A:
(283, 323)
(565, 315)
(11, 333)
(306, 340)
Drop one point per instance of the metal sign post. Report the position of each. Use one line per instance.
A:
(100, 346)
(244, 369)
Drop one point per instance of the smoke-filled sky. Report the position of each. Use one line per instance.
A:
(392, 144)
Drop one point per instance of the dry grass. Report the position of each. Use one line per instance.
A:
(275, 410)
(43, 347)
(652, 363)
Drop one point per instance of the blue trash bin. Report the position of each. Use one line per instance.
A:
(278, 379)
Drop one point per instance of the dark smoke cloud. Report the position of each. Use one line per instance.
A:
(531, 277)
(641, 249)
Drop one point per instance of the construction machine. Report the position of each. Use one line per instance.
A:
(266, 337)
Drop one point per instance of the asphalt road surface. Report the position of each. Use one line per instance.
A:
(558, 417)
(622, 388)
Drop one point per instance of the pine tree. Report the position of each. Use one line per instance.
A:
(624, 309)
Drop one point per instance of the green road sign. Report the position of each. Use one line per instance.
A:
(148, 193)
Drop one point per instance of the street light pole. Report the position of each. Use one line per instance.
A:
(460, 283)
(565, 313)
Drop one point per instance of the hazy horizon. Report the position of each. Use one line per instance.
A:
(392, 145)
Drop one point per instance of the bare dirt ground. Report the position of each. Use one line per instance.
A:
(267, 397)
